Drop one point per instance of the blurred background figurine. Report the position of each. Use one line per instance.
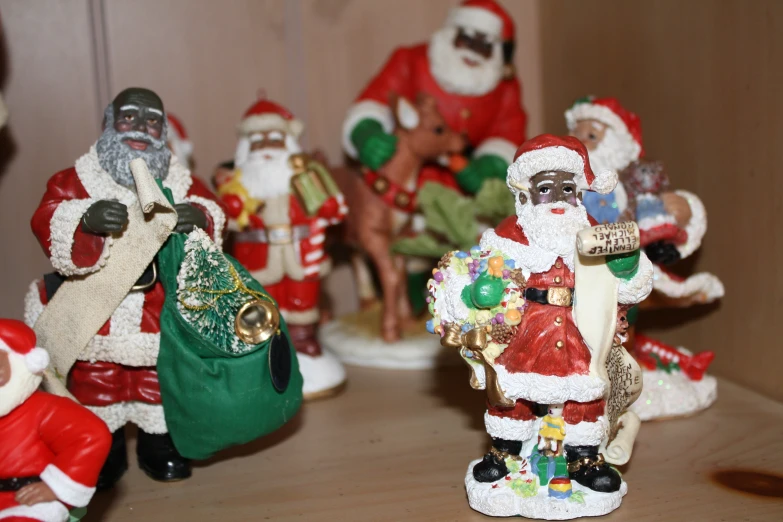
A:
(281, 203)
(672, 224)
(179, 142)
(51, 448)
(111, 351)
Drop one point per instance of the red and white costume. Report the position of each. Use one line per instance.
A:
(178, 140)
(44, 437)
(494, 122)
(115, 375)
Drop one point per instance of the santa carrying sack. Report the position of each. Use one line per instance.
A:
(51, 449)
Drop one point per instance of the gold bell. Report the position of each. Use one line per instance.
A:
(257, 321)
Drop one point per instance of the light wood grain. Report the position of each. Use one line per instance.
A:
(396, 447)
(706, 79)
(50, 90)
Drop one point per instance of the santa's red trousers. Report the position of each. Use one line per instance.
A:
(573, 412)
(296, 296)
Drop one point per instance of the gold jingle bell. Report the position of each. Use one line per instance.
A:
(257, 321)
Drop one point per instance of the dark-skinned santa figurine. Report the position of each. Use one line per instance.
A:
(102, 228)
(672, 225)
(51, 449)
(533, 310)
(281, 203)
(467, 68)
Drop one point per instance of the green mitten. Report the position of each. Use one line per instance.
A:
(487, 291)
(624, 266)
(374, 145)
(479, 169)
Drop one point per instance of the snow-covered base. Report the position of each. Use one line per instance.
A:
(413, 352)
(673, 395)
(500, 499)
(323, 375)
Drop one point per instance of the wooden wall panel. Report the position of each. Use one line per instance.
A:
(706, 78)
(347, 42)
(206, 59)
(50, 90)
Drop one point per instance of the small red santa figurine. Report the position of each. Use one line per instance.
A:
(51, 449)
(281, 203)
(467, 68)
(83, 212)
(179, 142)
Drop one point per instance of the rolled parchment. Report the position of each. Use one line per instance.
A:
(619, 450)
(609, 238)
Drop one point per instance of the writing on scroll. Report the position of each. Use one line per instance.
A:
(609, 238)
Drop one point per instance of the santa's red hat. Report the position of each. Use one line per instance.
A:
(178, 137)
(609, 112)
(17, 338)
(265, 115)
(548, 153)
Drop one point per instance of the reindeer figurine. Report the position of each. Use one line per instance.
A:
(384, 202)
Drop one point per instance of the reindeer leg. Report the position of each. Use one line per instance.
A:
(364, 283)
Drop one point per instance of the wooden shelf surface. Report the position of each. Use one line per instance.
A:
(395, 446)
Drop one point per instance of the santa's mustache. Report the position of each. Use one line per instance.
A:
(141, 136)
(115, 155)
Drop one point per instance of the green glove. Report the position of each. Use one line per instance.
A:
(624, 266)
(487, 291)
(374, 145)
(484, 167)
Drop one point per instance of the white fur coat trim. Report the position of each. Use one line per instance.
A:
(66, 219)
(636, 289)
(510, 429)
(44, 511)
(365, 109)
(67, 490)
(498, 147)
(587, 433)
(218, 217)
(696, 227)
(148, 417)
(703, 282)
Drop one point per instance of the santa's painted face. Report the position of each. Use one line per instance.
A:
(465, 61)
(553, 213)
(589, 132)
(266, 172)
(134, 127)
(606, 149)
(17, 383)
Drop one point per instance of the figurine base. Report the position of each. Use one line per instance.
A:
(512, 496)
(356, 340)
(667, 395)
(323, 376)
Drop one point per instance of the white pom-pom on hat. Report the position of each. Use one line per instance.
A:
(18, 339)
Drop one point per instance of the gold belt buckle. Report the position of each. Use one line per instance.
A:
(279, 234)
(558, 296)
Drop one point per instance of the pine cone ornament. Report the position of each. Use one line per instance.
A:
(502, 333)
(518, 278)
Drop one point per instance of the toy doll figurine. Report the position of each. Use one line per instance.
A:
(281, 203)
(108, 346)
(538, 332)
(51, 449)
(672, 225)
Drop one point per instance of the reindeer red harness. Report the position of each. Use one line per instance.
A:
(392, 194)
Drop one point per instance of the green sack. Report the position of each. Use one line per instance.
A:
(213, 399)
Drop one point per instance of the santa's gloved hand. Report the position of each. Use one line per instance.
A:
(624, 266)
(662, 253)
(105, 217)
(487, 291)
(189, 217)
(374, 145)
(484, 167)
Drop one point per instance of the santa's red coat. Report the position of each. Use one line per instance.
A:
(496, 115)
(58, 440)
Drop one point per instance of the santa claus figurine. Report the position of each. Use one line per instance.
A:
(467, 68)
(82, 223)
(179, 142)
(511, 306)
(51, 449)
(281, 202)
(613, 137)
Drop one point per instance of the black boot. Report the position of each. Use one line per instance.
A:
(588, 468)
(159, 459)
(116, 463)
(493, 466)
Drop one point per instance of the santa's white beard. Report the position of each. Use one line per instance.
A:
(19, 387)
(267, 178)
(612, 153)
(554, 233)
(454, 75)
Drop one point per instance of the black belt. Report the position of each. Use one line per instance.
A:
(16, 483)
(555, 295)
